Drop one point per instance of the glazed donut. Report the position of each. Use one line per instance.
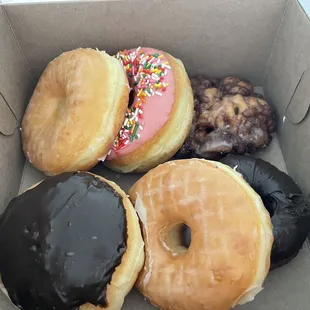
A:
(289, 211)
(162, 105)
(71, 242)
(75, 112)
(229, 118)
(229, 256)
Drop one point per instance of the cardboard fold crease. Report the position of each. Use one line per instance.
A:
(8, 121)
(298, 107)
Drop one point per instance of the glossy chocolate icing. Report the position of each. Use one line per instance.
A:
(288, 209)
(61, 242)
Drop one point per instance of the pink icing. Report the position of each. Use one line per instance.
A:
(156, 108)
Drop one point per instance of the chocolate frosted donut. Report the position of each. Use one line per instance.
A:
(72, 240)
(289, 211)
(229, 118)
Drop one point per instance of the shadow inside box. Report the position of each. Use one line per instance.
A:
(136, 301)
(124, 180)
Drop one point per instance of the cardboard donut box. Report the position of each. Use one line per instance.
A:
(266, 41)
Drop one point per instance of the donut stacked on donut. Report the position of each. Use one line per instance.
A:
(72, 241)
(229, 118)
(75, 112)
(159, 118)
(229, 255)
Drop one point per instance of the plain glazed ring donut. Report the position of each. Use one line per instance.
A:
(72, 241)
(162, 106)
(75, 112)
(289, 211)
(229, 255)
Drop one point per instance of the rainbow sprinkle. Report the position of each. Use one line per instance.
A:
(146, 73)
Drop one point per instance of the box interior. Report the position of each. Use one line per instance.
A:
(267, 43)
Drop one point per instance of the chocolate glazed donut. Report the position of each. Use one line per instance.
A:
(289, 211)
(61, 242)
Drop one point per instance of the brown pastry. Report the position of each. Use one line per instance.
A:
(229, 118)
(232, 85)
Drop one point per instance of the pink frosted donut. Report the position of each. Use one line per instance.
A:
(159, 115)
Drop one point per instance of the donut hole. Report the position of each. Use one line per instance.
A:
(176, 238)
(209, 129)
(131, 98)
(270, 204)
(186, 235)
